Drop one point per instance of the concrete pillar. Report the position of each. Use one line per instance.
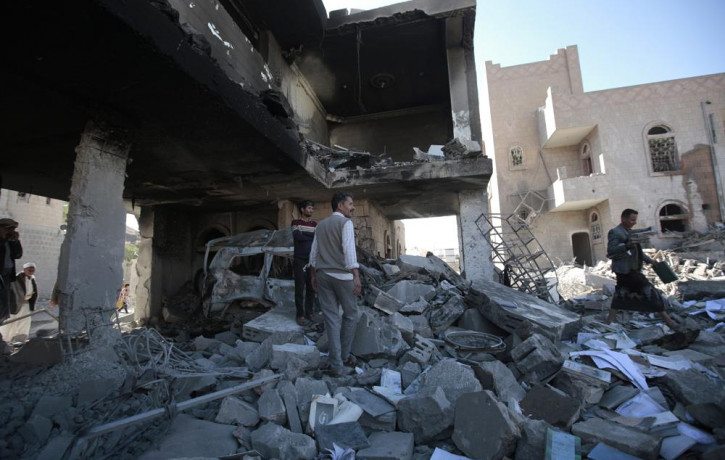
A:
(90, 268)
(475, 250)
(462, 80)
(148, 288)
(287, 212)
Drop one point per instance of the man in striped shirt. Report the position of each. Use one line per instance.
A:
(336, 279)
(303, 232)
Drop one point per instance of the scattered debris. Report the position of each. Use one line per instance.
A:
(443, 370)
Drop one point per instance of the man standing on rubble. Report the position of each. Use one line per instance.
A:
(10, 249)
(336, 279)
(633, 291)
(303, 232)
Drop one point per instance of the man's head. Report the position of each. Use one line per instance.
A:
(342, 203)
(629, 218)
(7, 227)
(306, 208)
(29, 269)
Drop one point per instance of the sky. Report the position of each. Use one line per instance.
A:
(620, 42)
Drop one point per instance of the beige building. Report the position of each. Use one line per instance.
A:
(40, 220)
(568, 162)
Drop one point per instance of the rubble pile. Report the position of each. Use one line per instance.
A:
(443, 370)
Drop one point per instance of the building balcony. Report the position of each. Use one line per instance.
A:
(558, 130)
(577, 193)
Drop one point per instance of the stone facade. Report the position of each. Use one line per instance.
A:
(40, 219)
(584, 157)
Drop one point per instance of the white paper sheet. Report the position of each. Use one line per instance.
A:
(615, 360)
(715, 309)
(640, 406)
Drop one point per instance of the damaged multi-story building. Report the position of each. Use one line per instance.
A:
(567, 162)
(208, 119)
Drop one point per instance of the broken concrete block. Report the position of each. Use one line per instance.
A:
(483, 426)
(624, 438)
(433, 265)
(537, 358)
(390, 269)
(346, 435)
(202, 343)
(616, 395)
(228, 338)
(307, 353)
(190, 437)
(692, 387)
(93, 390)
(408, 291)
(409, 372)
(236, 411)
(295, 366)
(532, 443)
(274, 441)
(376, 337)
(473, 320)
(306, 388)
(384, 422)
(441, 318)
(288, 393)
(708, 414)
(368, 402)
(183, 386)
(404, 325)
(495, 376)
(425, 415)
(259, 358)
(36, 429)
(421, 352)
(418, 307)
(49, 406)
(585, 391)
(271, 408)
(508, 308)
(56, 447)
(555, 407)
(278, 320)
(461, 147)
(421, 326)
(646, 335)
(388, 446)
(698, 290)
(383, 301)
(453, 377)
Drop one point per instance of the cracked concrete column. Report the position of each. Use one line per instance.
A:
(462, 77)
(475, 250)
(90, 268)
(148, 292)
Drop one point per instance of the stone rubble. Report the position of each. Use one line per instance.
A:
(465, 393)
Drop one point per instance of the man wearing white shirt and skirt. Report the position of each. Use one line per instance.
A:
(336, 279)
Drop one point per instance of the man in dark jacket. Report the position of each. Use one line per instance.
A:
(10, 250)
(303, 232)
(633, 290)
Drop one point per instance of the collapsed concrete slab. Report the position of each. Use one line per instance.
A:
(442, 317)
(483, 426)
(388, 446)
(509, 308)
(556, 408)
(274, 441)
(278, 319)
(281, 354)
(234, 410)
(692, 387)
(495, 376)
(191, 437)
(408, 291)
(375, 336)
(453, 377)
(624, 438)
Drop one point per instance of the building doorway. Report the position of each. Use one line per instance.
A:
(582, 248)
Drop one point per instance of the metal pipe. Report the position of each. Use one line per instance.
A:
(154, 413)
(713, 156)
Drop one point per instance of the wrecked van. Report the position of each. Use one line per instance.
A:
(248, 269)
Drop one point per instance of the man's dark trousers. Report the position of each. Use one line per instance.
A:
(304, 294)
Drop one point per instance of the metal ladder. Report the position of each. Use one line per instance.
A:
(516, 250)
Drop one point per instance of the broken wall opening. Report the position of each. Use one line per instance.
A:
(438, 235)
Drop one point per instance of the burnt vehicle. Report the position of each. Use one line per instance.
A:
(248, 269)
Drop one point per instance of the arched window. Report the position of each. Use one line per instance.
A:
(595, 226)
(516, 157)
(673, 218)
(662, 149)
